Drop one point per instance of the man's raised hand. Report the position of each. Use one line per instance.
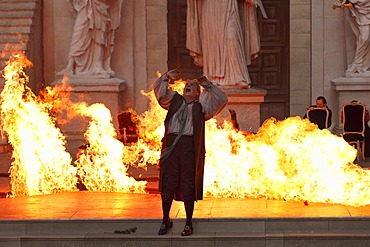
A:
(174, 74)
(204, 82)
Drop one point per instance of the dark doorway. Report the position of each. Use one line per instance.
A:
(270, 71)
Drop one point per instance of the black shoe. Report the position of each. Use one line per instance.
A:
(188, 230)
(164, 228)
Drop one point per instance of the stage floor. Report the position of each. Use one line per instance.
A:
(104, 205)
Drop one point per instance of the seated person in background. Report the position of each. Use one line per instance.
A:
(367, 128)
(321, 103)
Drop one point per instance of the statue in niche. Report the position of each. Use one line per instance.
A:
(222, 37)
(360, 25)
(93, 37)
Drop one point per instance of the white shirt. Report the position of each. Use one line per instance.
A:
(212, 99)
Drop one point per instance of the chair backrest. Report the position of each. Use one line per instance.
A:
(319, 116)
(354, 118)
(127, 127)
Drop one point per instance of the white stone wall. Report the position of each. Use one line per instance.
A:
(140, 45)
(328, 52)
(319, 37)
(157, 38)
(333, 45)
(300, 56)
(321, 46)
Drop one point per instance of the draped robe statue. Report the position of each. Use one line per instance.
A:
(223, 38)
(360, 24)
(93, 37)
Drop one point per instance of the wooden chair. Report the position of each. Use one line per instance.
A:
(354, 126)
(127, 127)
(319, 116)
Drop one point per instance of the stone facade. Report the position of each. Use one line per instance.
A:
(140, 45)
(321, 45)
(300, 56)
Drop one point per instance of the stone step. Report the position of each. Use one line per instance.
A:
(15, 22)
(12, 43)
(14, 38)
(204, 240)
(16, 14)
(7, 49)
(6, 30)
(18, 5)
(266, 226)
(17, 1)
(207, 232)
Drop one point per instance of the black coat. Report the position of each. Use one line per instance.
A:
(198, 140)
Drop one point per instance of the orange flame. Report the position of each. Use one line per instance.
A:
(101, 166)
(290, 160)
(40, 164)
(148, 148)
(286, 160)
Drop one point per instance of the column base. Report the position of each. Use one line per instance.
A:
(108, 91)
(246, 103)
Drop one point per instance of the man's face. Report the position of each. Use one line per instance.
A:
(320, 103)
(191, 91)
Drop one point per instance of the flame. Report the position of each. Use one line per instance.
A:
(40, 164)
(285, 160)
(148, 148)
(101, 166)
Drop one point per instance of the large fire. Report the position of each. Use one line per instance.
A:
(285, 160)
(40, 164)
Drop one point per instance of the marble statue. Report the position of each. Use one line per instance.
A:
(360, 25)
(223, 38)
(93, 37)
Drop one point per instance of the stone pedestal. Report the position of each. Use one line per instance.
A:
(107, 91)
(350, 88)
(246, 103)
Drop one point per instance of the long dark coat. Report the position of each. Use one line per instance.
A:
(198, 140)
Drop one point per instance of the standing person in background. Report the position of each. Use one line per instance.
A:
(183, 144)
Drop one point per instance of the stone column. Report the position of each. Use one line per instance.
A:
(350, 88)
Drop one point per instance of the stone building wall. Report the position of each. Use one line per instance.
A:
(140, 45)
(322, 44)
(317, 49)
(300, 56)
(327, 52)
